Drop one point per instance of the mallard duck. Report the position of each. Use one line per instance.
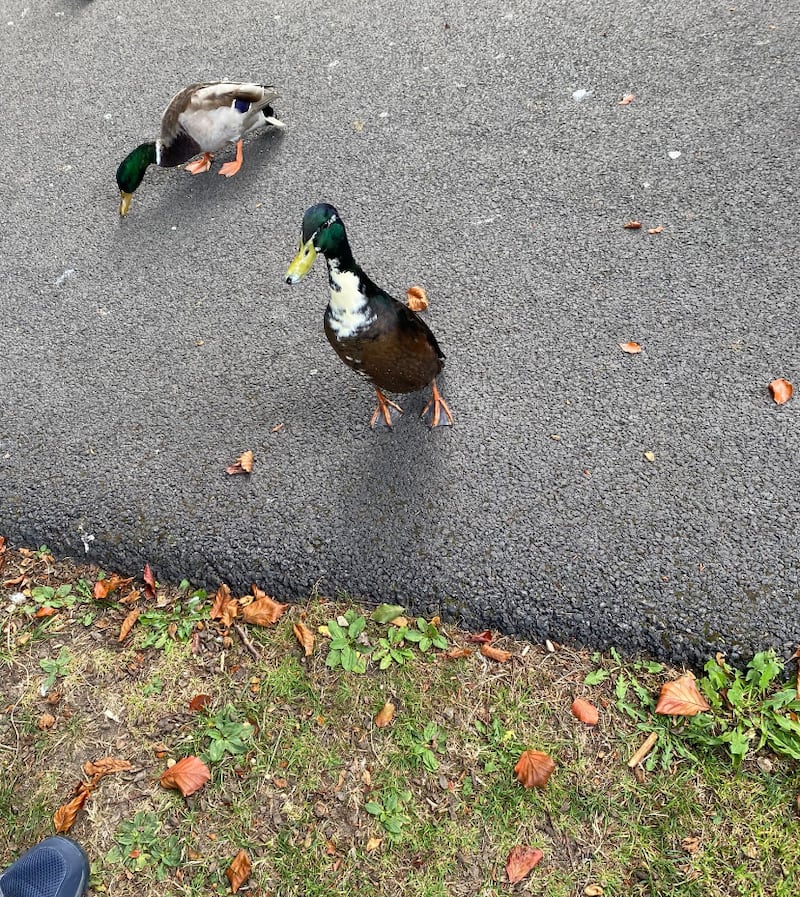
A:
(202, 118)
(377, 336)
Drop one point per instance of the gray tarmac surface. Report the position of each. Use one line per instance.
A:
(139, 358)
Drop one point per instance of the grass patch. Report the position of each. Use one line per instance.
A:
(326, 803)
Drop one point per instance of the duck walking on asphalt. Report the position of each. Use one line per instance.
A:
(376, 335)
(202, 118)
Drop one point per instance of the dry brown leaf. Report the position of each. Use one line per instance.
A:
(243, 464)
(149, 582)
(691, 844)
(630, 348)
(456, 653)
(263, 611)
(585, 711)
(131, 598)
(495, 653)
(104, 766)
(239, 871)
(305, 638)
(681, 697)
(127, 623)
(627, 99)
(385, 715)
(480, 638)
(632, 225)
(45, 612)
(520, 862)
(199, 702)
(104, 587)
(373, 844)
(781, 390)
(187, 775)
(46, 721)
(417, 298)
(64, 817)
(534, 768)
(655, 230)
(221, 598)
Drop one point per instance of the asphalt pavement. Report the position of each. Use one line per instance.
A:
(646, 501)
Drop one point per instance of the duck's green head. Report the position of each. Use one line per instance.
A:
(322, 231)
(131, 171)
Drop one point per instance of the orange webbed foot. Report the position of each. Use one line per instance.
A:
(199, 165)
(384, 405)
(229, 169)
(442, 415)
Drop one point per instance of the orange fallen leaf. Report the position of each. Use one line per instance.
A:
(456, 653)
(199, 702)
(263, 611)
(46, 721)
(417, 298)
(534, 768)
(585, 711)
(127, 623)
(627, 99)
(373, 844)
(64, 817)
(104, 587)
(305, 637)
(655, 230)
(45, 612)
(149, 582)
(681, 697)
(632, 224)
(496, 654)
(781, 390)
(239, 871)
(520, 862)
(385, 715)
(187, 775)
(104, 766)
(631, 348)
(243, 464)
(221, 598)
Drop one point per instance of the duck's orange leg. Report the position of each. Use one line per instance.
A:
(229, 169)
(439, 406)
(383, 409)
(199, 165)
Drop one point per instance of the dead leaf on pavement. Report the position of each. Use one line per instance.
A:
(632, 225)
(627, 99)
(239, 871)
(496, 654)
(187, 775)
(149, 582)
(64, 817)
(263, 611)
(127, 623)
(781, 391)
(520, 862)
(417, 298)
(585, 711)
(385, 715)
(681, 697)
(243, 464)
(305, 637)
(534, 768)
(655, 230)
(631, 348)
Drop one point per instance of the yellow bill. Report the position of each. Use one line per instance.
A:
(124, 202)
(302, 262)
